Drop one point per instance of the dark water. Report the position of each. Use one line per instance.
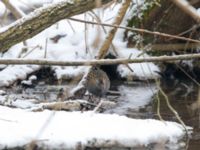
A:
(139, 101)
(184, 96)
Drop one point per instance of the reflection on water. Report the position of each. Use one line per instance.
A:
(134, 99)
(138, 100)
(184, 96)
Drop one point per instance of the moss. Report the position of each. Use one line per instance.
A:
(138, 18)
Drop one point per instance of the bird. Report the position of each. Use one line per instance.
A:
(97, 82)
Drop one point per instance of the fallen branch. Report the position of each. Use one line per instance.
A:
(98, 62)
(73, 105)
(42, 18)
(76, 105)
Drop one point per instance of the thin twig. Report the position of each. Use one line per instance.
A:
(139, 30)
(15, 11)
(188, 75)
(106, 44)
(35, 47)
(171, 108)
(34, 22)
(86, 35)
(112, 45)
(32, 143)
(71, 26)
(158, 107)
(45, 50)
(98, 62)
(98, 106)
(99, 21)
(18, 14)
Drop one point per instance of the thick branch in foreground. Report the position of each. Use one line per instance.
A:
(42, 18)
(98, 62)
(187, 8)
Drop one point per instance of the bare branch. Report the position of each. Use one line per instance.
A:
(15, 11)
(172, 109)
(187, 8)
(98, 62)
(106, 44)
(140, 30)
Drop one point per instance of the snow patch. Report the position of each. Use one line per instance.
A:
(67, 129)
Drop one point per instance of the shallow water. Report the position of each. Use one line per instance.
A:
(184, 96)
(138, 100)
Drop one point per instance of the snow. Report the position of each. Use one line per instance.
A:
(2, 9)
(72, 47)
(132, 99)
(67, 129)
(29, 81)
(11, 73)
(141, 70)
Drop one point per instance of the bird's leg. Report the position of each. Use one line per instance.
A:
(90, 97)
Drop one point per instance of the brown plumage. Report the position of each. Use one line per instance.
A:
(97, 82)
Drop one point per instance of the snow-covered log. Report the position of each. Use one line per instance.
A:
(42, 18)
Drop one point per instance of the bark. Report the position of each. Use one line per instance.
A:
(99, 62)
(106, 44)
(76, 105)
(41, 19)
